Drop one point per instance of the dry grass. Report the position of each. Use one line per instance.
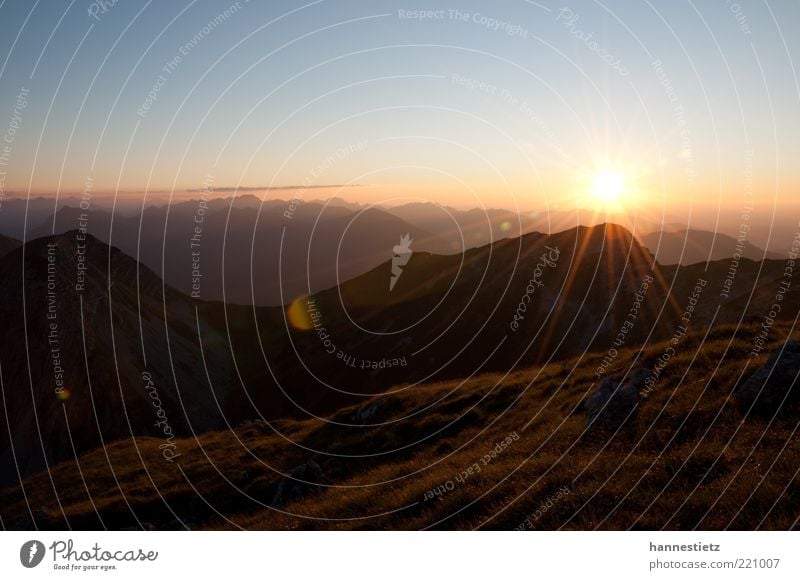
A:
(688, 461)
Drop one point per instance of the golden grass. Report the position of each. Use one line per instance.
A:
(688, 461)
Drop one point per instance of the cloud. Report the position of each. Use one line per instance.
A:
(276, 188)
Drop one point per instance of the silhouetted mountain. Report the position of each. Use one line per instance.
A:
(339, 202)
(498, 308)
(82, 324)
(687, 246)
(248, 254)
(451, 316)
(8, 244)
(20, 216)
(464, 229)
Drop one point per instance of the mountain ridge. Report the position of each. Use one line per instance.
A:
(511, 304)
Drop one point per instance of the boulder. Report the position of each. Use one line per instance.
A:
(615, 404)
(365, 412)
(772, 389)
(300, 481)
(637, 377)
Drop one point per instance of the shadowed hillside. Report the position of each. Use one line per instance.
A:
(368, 371)
(7, 245)
(89, 354)
(246, 253)
(692, 457)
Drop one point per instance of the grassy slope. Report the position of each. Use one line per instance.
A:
(690, 460)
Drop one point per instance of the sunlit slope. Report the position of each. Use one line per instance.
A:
(689, 459)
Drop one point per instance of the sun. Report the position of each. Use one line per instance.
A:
(608, 187)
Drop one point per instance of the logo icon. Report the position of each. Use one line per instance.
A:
(402, 254)
(32, 553)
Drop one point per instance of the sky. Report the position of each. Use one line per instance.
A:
(692, 107)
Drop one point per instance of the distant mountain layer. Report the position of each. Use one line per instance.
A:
(250, 255)
(268, 252)
(503, 306)
(692, 246)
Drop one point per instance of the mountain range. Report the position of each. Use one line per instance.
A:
(245, 250)
(687, 246)
(123, 337)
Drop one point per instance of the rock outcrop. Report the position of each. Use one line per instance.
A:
(615, 403)
(300, 481)
(772, 389)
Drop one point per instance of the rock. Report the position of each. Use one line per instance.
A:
(365, 412)
(301, 480)
(772, 389)
(612, 405)
(637, 377)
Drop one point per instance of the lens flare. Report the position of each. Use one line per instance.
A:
(297, 314)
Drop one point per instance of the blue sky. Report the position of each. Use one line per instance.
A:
(502, 103)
